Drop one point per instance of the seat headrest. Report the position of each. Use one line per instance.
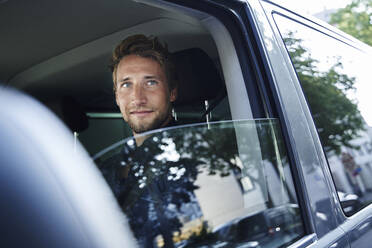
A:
(73, 114)
(198, 78)
(70, 112)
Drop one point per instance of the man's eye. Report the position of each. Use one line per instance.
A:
(151, 83)
(125, 85)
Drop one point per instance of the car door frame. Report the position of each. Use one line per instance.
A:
(261, 53)
(348, 226)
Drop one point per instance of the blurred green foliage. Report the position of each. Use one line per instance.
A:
(355, 19)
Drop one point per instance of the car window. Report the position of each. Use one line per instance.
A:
(218, 177)
(197, 185)
(336, 83)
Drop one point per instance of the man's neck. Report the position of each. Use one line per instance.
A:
(141, 138)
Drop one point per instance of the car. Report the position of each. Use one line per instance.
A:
(274, 122)
(350, 202)
(262, 229)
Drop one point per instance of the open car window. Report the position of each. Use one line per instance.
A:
(196, 185)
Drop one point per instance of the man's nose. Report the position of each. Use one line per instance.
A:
(138, 95)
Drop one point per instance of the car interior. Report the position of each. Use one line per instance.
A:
(59, 54)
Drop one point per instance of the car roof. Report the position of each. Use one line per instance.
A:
(51, 49)
(41, 29)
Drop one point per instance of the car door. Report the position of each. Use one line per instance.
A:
(270, 91)
(314, 45)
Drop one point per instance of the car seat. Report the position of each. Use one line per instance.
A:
(51, 195)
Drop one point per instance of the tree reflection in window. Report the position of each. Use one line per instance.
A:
(336, 84)
(167, 187)
(336, 115)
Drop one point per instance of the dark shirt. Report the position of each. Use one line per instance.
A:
(155, 194)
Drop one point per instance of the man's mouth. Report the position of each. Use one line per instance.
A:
(141, 113)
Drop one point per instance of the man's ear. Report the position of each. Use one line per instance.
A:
(173, 94)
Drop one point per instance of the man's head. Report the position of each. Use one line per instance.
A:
(144, 82)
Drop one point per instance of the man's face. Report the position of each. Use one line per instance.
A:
(142, 93)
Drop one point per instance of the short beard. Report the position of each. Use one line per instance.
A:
(158, 122)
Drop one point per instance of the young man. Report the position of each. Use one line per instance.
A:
(145, 88)
(144, 83)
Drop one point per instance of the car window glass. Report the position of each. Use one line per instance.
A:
(222, 184)
(336, 83)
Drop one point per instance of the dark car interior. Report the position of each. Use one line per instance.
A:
(59, 54)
